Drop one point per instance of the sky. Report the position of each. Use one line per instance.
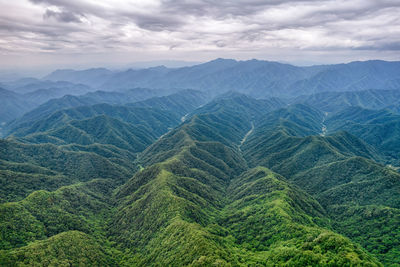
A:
(88, 33)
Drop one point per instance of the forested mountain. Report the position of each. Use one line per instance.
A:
(336, 101)
(12, 105)
(253, 77)
(18, 98)
(380, 128)
(69, 101)
(171, 177)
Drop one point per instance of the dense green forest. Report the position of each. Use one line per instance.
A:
(186, 180)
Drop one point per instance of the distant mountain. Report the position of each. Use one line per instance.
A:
(11, 85)
(257, 78)
(336, 101)
(354, 76)
(43, 95)
(260, 79)
(90, 77)
(61, 87)
(133, 78)
(166, 63)
(12, 105)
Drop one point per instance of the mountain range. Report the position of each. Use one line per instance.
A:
(226, 163)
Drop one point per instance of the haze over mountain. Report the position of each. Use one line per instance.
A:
(253, 77)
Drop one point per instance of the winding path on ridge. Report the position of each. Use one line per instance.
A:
(323, 126)
(246, 136)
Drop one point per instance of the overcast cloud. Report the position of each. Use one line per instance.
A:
(94, 32)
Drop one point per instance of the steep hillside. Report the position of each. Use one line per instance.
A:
(25, 168)
(380, 128)
(186, 200)
(70, 101)
(100, 129)
(180, 103)
(156, 120)
(339, 170)
(179, 181)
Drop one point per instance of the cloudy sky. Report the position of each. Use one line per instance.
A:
(117, 32)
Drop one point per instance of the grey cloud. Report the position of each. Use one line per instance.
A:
(155, 22)
(225, 25)
(62, 16)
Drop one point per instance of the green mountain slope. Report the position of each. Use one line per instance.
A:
(236, 182)
(25, 168)
(338, 170)
(100, 129)
(180, 103)
(380, 128)
(184, 207)
(70, 248)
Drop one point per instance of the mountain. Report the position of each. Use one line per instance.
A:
(189, 180)
(336, 101)
(100, 129)
(260, 79)
(257, 78)
(380, 128)
(187, 173)
(70, 101)
(354, 76)
(339, 170)
(60, 87)
(180, 103)
(91, 77)
(29, 167)
(12, 105)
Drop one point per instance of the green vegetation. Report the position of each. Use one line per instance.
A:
(379, 128)
(25, 168)
(70, 248)
(339, 171)
(107, 185)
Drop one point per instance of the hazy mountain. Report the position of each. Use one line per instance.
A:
(336, 101)
(166, 63)
(61, 87)
(12, 105)
(354, 76)
(257, 78)
(90, 77)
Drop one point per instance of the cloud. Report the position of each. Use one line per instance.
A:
(62, 16)
(201, 28)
